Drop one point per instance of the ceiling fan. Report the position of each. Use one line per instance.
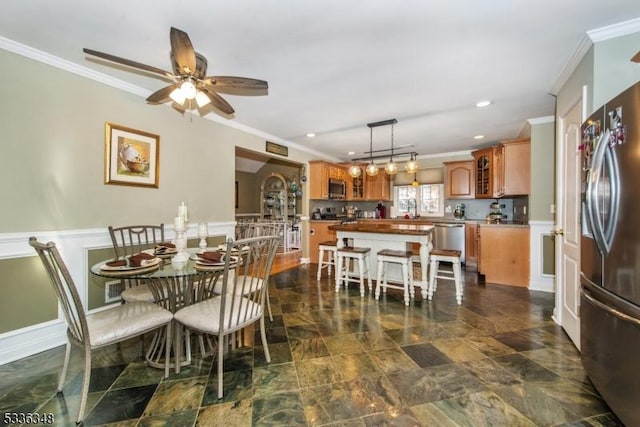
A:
(189, 76)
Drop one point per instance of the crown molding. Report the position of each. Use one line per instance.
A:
(541, 120)
(616, 30)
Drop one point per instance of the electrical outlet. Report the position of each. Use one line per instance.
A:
(448, 209)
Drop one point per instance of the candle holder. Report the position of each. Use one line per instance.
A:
(180, 259)
(203, 232)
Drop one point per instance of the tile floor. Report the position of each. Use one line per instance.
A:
(339, 359)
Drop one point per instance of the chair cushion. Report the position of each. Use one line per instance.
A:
(205, 315)
(140, 293)
(124, 321)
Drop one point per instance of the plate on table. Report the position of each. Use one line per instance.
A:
(167, 253)
(212, 265)
(148, 265)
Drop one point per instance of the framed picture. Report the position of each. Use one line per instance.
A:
(131, 157)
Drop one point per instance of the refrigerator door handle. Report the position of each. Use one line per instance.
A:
(613, 199)
(593, 209)
(620, 315)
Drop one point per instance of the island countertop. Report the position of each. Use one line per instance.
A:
(384, 228)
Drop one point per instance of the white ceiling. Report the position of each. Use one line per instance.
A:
(334, 66)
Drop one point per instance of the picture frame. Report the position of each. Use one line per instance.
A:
(132, 157)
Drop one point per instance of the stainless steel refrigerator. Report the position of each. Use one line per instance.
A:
(610, 253)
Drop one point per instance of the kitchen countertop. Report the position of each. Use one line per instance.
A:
(432, 220)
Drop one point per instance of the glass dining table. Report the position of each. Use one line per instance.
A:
(173, 287)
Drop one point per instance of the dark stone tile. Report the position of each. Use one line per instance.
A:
(120, 405)
(525, 369)
(518, 341)
(426, 355)
(282, 409)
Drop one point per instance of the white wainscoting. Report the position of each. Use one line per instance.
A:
(73, 246)
(539, 281)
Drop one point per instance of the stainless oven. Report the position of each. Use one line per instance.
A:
(337, 189)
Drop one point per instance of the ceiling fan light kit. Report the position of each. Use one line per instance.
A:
(189, 78)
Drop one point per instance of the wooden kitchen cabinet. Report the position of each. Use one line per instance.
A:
(378, 187)
(472, 241)
(460, 179)
(319, 232)
(515, 170)
(356, 186)
(318, 180)
(485, 172)
(504, 254)
(503, 170)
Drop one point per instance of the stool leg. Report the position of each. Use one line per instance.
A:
(405, 281)
(432, 278)
(368, 265)
(457, 273)
(412, 291)
(361, 272)
(379, 281)
(332, 260)
(339, 272)
(320, 260)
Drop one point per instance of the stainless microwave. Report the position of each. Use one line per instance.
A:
(337, 189)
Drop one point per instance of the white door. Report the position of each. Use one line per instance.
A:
(567, 229)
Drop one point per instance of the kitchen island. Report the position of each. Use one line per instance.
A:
(379, 236)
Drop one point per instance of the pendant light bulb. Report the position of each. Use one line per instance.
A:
(391, 168)
(415, 182)
(354, 171)
(411, 166)
(372, 169)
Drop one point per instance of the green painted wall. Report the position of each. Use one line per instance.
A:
(26, 294)
(543, 165)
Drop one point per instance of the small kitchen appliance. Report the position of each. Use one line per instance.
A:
(495, 214)
(458, 213)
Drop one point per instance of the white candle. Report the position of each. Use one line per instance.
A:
(203, 230)
(183, 212)
(178, 223)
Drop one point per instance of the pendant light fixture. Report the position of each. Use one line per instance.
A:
(372, 169)
(411, 166)
(391, 168)
(354, 170)
(415, 182)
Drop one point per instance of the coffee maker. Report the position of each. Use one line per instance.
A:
(458, 213)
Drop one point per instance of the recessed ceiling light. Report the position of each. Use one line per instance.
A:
(351, 153)
(483, 104)
(478, 137)
(311, 135)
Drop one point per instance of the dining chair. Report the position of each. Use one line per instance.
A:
(241, 300)
(100, 329)
(129, 240)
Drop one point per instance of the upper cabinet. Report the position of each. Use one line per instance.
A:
(503, 170)
(378, 187)
(355, 185)
(460, 179)
(319, 179)
(363, 188)
(516, 167)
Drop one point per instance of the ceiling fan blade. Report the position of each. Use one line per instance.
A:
(128, 63)
(162, 94)
(183, 52)
(237, 85)
(218, 102)
(636, 57)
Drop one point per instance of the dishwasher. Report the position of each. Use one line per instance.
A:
(449, 235)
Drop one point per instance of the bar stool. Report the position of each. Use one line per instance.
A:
(387, 256)
(330, 248)
(446, 255)
(345, 273)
